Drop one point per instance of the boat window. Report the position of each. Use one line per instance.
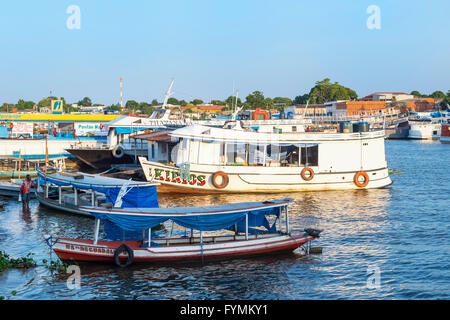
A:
(310, 156)
(256, 154)
(289, 155)
(153, 151)
(236, 153)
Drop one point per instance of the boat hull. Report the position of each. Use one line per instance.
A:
(424, 131)
(98, 158)
(103, 251)
(53, 204)
(257, 179)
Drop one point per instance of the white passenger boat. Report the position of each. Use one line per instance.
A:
(208, 160)
(426, 129)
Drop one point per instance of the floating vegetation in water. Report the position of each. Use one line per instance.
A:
(56, 265)
(7, 263)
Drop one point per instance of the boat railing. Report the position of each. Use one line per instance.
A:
(214, 239)
(102, 146)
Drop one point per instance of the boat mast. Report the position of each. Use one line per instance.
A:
(168, 94)
(304, 112)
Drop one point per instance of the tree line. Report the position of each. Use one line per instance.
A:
(322, 92)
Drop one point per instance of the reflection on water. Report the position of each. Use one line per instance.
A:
(401, 229)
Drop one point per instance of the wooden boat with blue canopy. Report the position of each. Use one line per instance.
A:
(68, 191)
(249, 227)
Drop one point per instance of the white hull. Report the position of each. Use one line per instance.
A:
(424, 131)
(35, 148)
(258, 179)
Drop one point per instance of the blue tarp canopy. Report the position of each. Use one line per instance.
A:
(199, 218)
(135, 194)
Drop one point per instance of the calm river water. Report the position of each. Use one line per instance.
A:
(403, 231)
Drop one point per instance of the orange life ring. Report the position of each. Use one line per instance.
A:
(225, 182)
(11, 125)
(366, 179)
(147, 131)
(311, 174)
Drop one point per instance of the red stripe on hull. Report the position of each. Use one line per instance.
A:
(283, 246)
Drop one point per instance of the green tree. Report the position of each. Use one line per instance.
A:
(416, 93)
(173, 101)
(85, 102)
(115, 107)
(231, 100)
(438, 95)
(46, 102)
(6, 107)
(147, 109)
(268, 103)
(284, 101)
(325, 91)
(217, 102)
(196, 102)
(301, 99)
(183, 103)
(155, 102)
(255, 100)
(132, 105)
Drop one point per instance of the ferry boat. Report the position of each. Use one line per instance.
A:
(445, 132)
(216, 160)
(249, 233)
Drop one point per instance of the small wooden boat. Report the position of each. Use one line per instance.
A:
(67, 191)
(242, 218)
(12, 187)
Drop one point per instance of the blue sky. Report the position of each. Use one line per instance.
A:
(279, 47)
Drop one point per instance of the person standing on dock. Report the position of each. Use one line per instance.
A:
(25, 192)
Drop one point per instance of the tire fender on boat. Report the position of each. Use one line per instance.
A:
(304, 176)
(123, 247)
(358, 175)
(118, 152)
(225, 182)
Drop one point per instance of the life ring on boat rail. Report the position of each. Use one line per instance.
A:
(11, 125)
(123, 248)
(359, 183)
(304, 174)
(147, 131)
(224, 177)
(118, 152)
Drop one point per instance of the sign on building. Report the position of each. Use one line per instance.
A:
(87, 129)
(22, 128)
(57, 106)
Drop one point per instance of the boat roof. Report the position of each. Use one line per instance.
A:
(228, 208)
(91, 180)
(213, 134)
(200, 218)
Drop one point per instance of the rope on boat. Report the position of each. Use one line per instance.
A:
(50, 242)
